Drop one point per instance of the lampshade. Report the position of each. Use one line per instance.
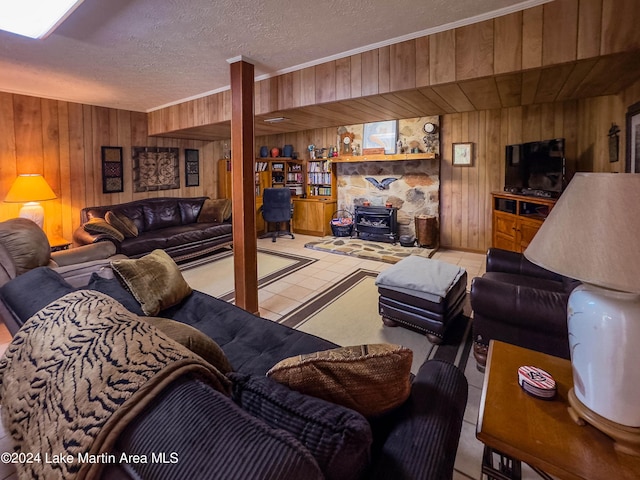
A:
(591, 234)
(30, 187)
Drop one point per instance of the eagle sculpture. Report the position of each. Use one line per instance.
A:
(383, 185)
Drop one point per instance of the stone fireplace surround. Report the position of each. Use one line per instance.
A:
(415, 192)
(417, 188)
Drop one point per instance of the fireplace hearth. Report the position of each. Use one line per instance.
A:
(377, 223)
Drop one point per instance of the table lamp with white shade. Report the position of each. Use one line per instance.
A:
(30, 189)
(593, 234)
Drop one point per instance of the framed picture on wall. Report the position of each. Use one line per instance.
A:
(112, 171)
(191, 167)
(381, 135)
(462, 154)
(633, 139)
(155, 168)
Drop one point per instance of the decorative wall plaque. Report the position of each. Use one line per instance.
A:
(191, 167)
(112, 171)
(155, 168)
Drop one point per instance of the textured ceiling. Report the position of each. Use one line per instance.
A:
(143, 54)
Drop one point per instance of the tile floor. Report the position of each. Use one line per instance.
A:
(283, 296)
(279, 298)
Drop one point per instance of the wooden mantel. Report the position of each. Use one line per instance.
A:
(384, 158)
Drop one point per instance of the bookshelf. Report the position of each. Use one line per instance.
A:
(262, 177)
(295, 176)
(311, 215)
(286, 173)
(321, 179)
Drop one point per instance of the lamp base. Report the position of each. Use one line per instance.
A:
(627, 439)
(33, 211)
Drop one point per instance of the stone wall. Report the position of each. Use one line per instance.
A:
(416, 190)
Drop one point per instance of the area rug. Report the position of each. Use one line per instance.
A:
(216, 277)
(347, 314)
(380, 251)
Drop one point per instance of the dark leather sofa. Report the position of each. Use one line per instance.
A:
(215, 436)
(168, 223)
(518, 302)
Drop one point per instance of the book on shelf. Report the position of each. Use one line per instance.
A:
(320, 191)
(320, 166)
(319, 177)
(262, 166)
(294, 177)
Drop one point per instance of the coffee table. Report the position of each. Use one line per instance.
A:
(516, 427)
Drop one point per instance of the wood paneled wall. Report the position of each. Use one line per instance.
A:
(551, 34)
(62, 141)
(465, 217)
(465, 209)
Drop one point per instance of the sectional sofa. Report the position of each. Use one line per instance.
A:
(246, 425)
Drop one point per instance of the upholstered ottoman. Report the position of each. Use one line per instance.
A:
(422, 294)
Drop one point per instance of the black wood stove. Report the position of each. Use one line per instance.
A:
(377, 223)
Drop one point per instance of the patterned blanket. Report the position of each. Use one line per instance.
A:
(76, 373)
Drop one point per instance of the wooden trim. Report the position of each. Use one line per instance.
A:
(384, 158)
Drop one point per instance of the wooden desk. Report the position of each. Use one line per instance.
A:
(541, 432)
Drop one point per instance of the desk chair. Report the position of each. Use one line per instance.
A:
(277, 208)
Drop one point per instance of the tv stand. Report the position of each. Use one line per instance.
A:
(517, 218)
(532, 192)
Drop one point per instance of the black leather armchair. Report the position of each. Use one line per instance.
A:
(518, 302)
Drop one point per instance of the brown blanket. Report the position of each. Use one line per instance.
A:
(76, 373)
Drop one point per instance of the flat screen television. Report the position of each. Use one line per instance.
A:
(535, 168)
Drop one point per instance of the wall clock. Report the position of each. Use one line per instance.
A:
(346, 139)
(430, 127)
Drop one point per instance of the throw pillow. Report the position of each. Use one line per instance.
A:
(121, 223)
(194, 340)
(339, 438)
(371, 379)
(26, 243)
(155, 280)
(215, 210)
(99, 225)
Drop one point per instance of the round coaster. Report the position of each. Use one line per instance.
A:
(536, 382)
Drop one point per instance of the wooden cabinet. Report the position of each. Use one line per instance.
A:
(224, 178)
(312, 216)
(517, 218)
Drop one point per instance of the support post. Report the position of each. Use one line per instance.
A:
(245, 246)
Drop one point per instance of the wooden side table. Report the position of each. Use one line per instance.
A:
(58, 243)
(540, 432)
